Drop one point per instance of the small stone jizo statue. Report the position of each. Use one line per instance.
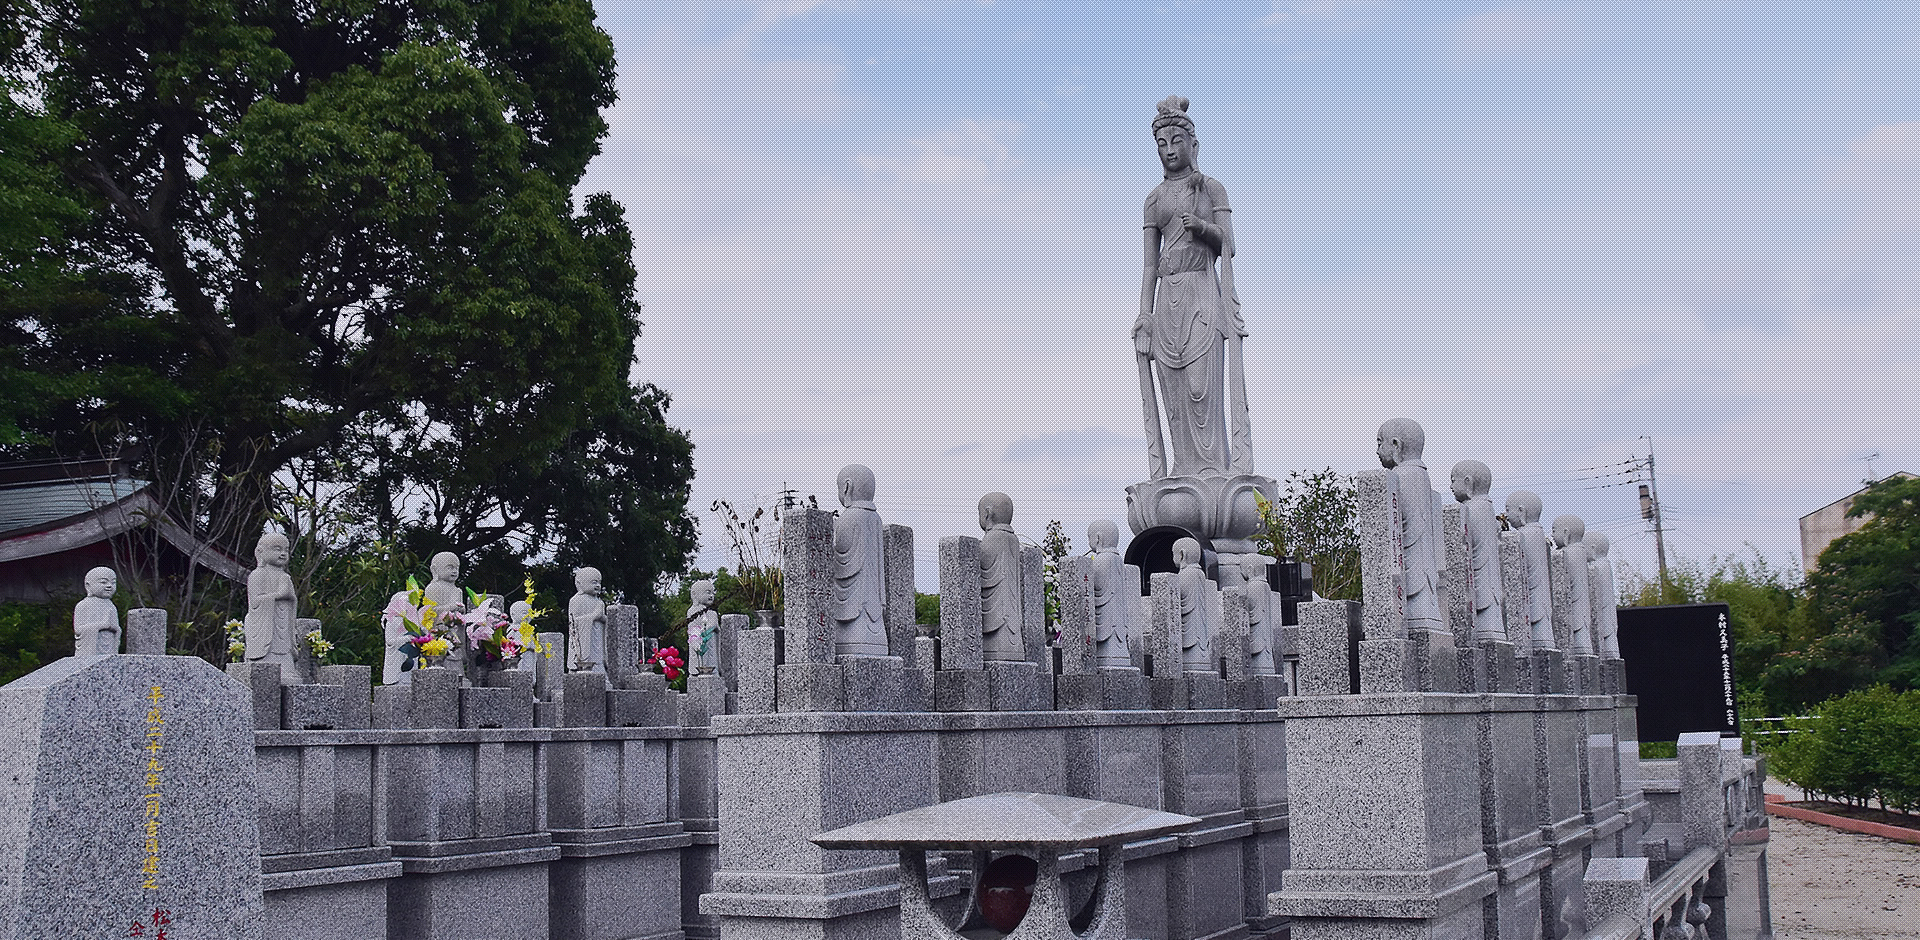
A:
(1605, 595)
(96, 622)
(1400, 444)
(586, 624)
(1523, 515)
(859, 573)
(1568, 531)
(1262, 626)
(271, 606)
(1196, 626)
(1471, 482)
(703, 630)
(449, 599)
(1111, 610)
(1001, 592)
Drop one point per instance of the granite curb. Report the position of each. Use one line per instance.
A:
(1776, 806)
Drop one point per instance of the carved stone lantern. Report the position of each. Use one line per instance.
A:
(1039, 826)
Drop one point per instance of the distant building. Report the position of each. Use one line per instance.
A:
(1820, 527)
(59, 518)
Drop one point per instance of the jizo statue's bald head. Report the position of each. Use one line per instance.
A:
(1103, 535)
(995, 509)
(855, 484)
(1568, 530)
(1400, 440)
(1523, 508)
(587, 581)
(272, 549)
(101, 582)
(1471, 478)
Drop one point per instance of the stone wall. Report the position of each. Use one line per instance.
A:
(430, 810)
(787, 777)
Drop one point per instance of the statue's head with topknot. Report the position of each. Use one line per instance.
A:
(1172, 112)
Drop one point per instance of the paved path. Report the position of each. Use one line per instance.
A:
(1833, 885)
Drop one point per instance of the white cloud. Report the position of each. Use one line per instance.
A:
(1522, 34)
(1323, 12)
(972, 153)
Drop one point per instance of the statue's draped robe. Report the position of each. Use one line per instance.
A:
(1417, 531)
(1196, 627)
(1110, 609)
(703, 641)
(1261, 660)
(1606, 605)
(270, 616)
(1483, 569)
(859, 582)
(96, 627)
(1581, 602)
(587, 633)
(1533, 544)
(1189, 327)
(448, 598)
(1001, 595)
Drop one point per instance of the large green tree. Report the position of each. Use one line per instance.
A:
(336, 240)
(1863, 600)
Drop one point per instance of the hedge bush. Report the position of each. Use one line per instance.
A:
(1855, 748)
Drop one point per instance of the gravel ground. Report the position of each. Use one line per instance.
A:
(1833, 885)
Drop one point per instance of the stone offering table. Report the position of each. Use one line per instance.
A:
(1040, 825)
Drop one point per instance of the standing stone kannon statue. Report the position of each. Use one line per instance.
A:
(859, 568)
(1523, 514)
(1471, 481)
(1400, 444)
(703, 630)
(271, 606)
(1187, 341)
(96, 622)
(1189, 325)
(1002, 618)
(1110, 608)
(1196, 624)
(586, 624)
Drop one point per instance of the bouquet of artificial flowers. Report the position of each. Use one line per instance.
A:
(427, 628)
(495, 637)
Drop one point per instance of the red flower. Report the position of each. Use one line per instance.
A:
(669, 661)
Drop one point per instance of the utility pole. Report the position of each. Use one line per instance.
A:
(1650, 510)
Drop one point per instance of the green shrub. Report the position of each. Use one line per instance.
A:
(1659, 750)
(1857, 747)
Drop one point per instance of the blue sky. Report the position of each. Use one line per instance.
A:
(906, 234)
